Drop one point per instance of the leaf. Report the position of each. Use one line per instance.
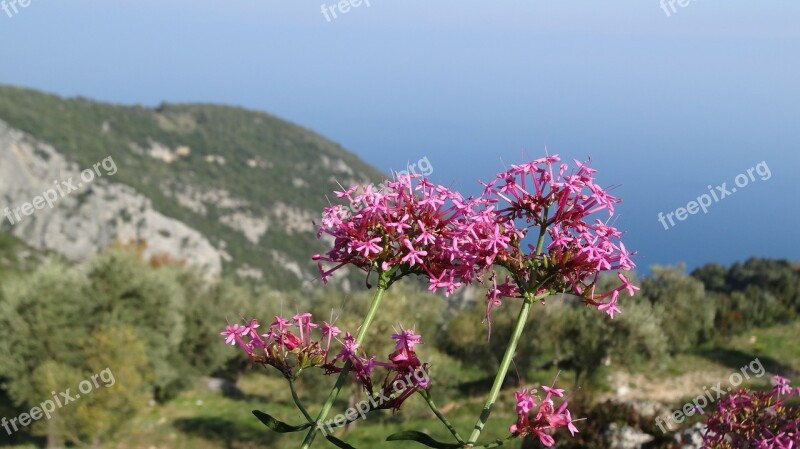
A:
(278, 426)
(338, 443)
(421, 438)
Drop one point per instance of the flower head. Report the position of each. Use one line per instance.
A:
(758, 419)
(279, 346)
(414, 227)
(232, 334)
(543, 420)
(572, 246)
(781, 386)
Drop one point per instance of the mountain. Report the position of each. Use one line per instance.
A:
(225, 189)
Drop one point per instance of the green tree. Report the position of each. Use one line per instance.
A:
(687, 314)
(118, 354)
(44, 317)
(54, 377)
(116, 365)
(124, 290)
(208, 305)
(173, 313)
(759, 292)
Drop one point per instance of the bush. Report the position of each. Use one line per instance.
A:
(155, 325)
(123, 290)
(117, 359)
(44, 316)
(687, 314)
(757, 293)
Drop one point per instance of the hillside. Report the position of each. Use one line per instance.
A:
(225, 188)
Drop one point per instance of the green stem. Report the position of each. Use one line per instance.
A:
(528, 297)
(297, 401)
(383, 283)
(425, 394)
(503, 370)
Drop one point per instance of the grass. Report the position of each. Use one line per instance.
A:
(203, 419)
(778, 343)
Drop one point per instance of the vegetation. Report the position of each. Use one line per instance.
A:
(759, 292)
(118, 312)
(155, 324)
(87, 132)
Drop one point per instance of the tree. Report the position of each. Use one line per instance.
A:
(116, 359)
(44, 317)
(687, 314)
(128, 306)
(207, 305)
(124, 290)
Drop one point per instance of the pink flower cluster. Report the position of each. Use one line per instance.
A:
(280, 346)
(419, 228)
(405, 374)
(761, 420)
(290, 345)
(544, 195)
(414, 227)
(542, 421)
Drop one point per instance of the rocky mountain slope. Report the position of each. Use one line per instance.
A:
(226, 189)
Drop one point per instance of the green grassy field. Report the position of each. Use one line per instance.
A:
(206, 420)
(203, 419)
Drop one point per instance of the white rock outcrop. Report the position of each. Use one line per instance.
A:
(98, 214)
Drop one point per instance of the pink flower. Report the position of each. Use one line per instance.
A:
(404, 348)
(304, 324)
(369, 246)
(232, 334)
(329, 329)
(250, 330)
(413, 256)
(279, 347)
(425, 237)
(545, 196)
(543, 421)
(349, 348)
(407, 338)
(545, 439)
(280, 323)
(553, 391)
(758, 419)
(360, 366)
(610, 308)
(626, 284)
(781, 386)
(566, 419)
(525, 402)
(495, 293)
(418, 228)
(290, 340)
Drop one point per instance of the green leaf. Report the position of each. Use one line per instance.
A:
(278, 426)
(338, 443)
(421, 438)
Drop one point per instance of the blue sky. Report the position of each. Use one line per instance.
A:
(665, 105)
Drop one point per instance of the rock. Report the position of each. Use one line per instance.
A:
(96, 215)
(223, 387)
(691, 438)
(626, 437)
(649, 408)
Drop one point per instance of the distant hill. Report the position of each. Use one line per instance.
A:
(227, 189)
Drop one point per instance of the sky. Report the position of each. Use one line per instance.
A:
(666, 105)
